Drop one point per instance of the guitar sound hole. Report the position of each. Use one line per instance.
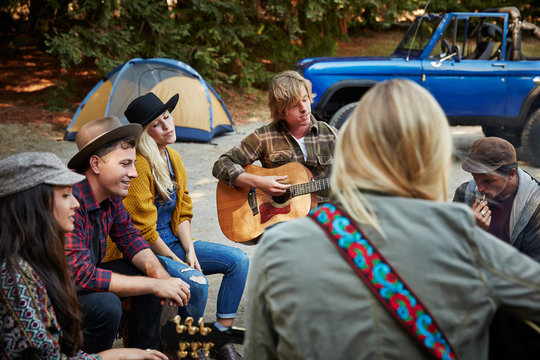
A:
(282, 199)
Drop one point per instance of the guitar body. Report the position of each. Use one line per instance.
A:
(244, 213)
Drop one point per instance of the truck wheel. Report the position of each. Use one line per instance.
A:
(338, 119)
(530, 138)
(512, 135)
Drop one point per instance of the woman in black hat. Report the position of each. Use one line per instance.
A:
(40, 317)
(160, 206)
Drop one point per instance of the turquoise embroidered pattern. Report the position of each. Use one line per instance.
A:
(385, 283)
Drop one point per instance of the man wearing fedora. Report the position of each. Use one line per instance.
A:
(107, 158)
(506, 203)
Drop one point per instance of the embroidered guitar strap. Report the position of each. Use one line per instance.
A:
(382, 279)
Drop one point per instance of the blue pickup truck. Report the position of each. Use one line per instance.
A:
(471, 63)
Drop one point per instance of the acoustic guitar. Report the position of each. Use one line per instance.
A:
(244, 213)
(190, 340)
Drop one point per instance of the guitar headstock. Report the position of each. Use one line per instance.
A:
(188, 339)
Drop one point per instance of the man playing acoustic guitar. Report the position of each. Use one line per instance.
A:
(294, 135)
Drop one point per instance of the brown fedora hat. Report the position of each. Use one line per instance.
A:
(93, 135)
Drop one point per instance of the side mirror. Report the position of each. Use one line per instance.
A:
(456, 55)
(456, 52)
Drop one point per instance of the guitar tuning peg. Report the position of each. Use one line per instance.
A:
(182, 354)
(180, 328)
(203, 330)
(191, 329)
(207, 347)
(194, 347)
(183, 346)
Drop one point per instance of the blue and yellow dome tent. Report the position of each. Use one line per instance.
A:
(199, 116)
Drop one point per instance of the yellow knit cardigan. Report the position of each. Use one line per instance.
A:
(140, 201)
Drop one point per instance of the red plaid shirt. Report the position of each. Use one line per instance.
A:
(115, 222)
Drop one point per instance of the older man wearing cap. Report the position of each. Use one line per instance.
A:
(107, 157)
(506, 203)
(505, 199)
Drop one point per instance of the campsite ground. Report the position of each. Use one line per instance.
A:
(29, 84)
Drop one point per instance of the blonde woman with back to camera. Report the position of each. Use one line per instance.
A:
(390, 179)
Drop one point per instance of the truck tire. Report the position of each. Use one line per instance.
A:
(512, 135)
(530, 138)
(338, 119)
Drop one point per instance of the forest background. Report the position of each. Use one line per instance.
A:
(236, 45)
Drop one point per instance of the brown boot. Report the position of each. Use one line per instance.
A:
(228, 352)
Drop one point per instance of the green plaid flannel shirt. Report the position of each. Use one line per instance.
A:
(273, 145)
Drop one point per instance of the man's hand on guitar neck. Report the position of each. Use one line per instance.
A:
(271, 185)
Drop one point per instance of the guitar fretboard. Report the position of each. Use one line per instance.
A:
(309, 187)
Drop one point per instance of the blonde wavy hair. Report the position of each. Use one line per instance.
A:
(148, 148)
(285, 91)
(397, 141)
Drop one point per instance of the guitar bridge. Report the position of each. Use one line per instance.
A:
(252, 201)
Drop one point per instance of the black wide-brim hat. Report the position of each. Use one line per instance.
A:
(97, 133)
(144, 109)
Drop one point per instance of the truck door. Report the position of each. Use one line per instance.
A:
(476, 83)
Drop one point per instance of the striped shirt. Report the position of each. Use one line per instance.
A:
(114, 222)
(274, 145)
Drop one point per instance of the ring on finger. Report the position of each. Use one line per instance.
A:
(148, 351)
(483, 212)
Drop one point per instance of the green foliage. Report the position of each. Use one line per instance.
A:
(56, 97)
(230, 42)
(61, 96)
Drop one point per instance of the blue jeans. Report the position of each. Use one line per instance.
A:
(198, 287)
(102, 312)
(215, 258)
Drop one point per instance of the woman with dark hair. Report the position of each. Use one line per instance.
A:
(39, 314)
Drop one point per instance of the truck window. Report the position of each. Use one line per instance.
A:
(417, 36)
(478, 38)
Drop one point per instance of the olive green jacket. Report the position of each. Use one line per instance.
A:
(306, 302)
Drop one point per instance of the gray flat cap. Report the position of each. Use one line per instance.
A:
(23, 171)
